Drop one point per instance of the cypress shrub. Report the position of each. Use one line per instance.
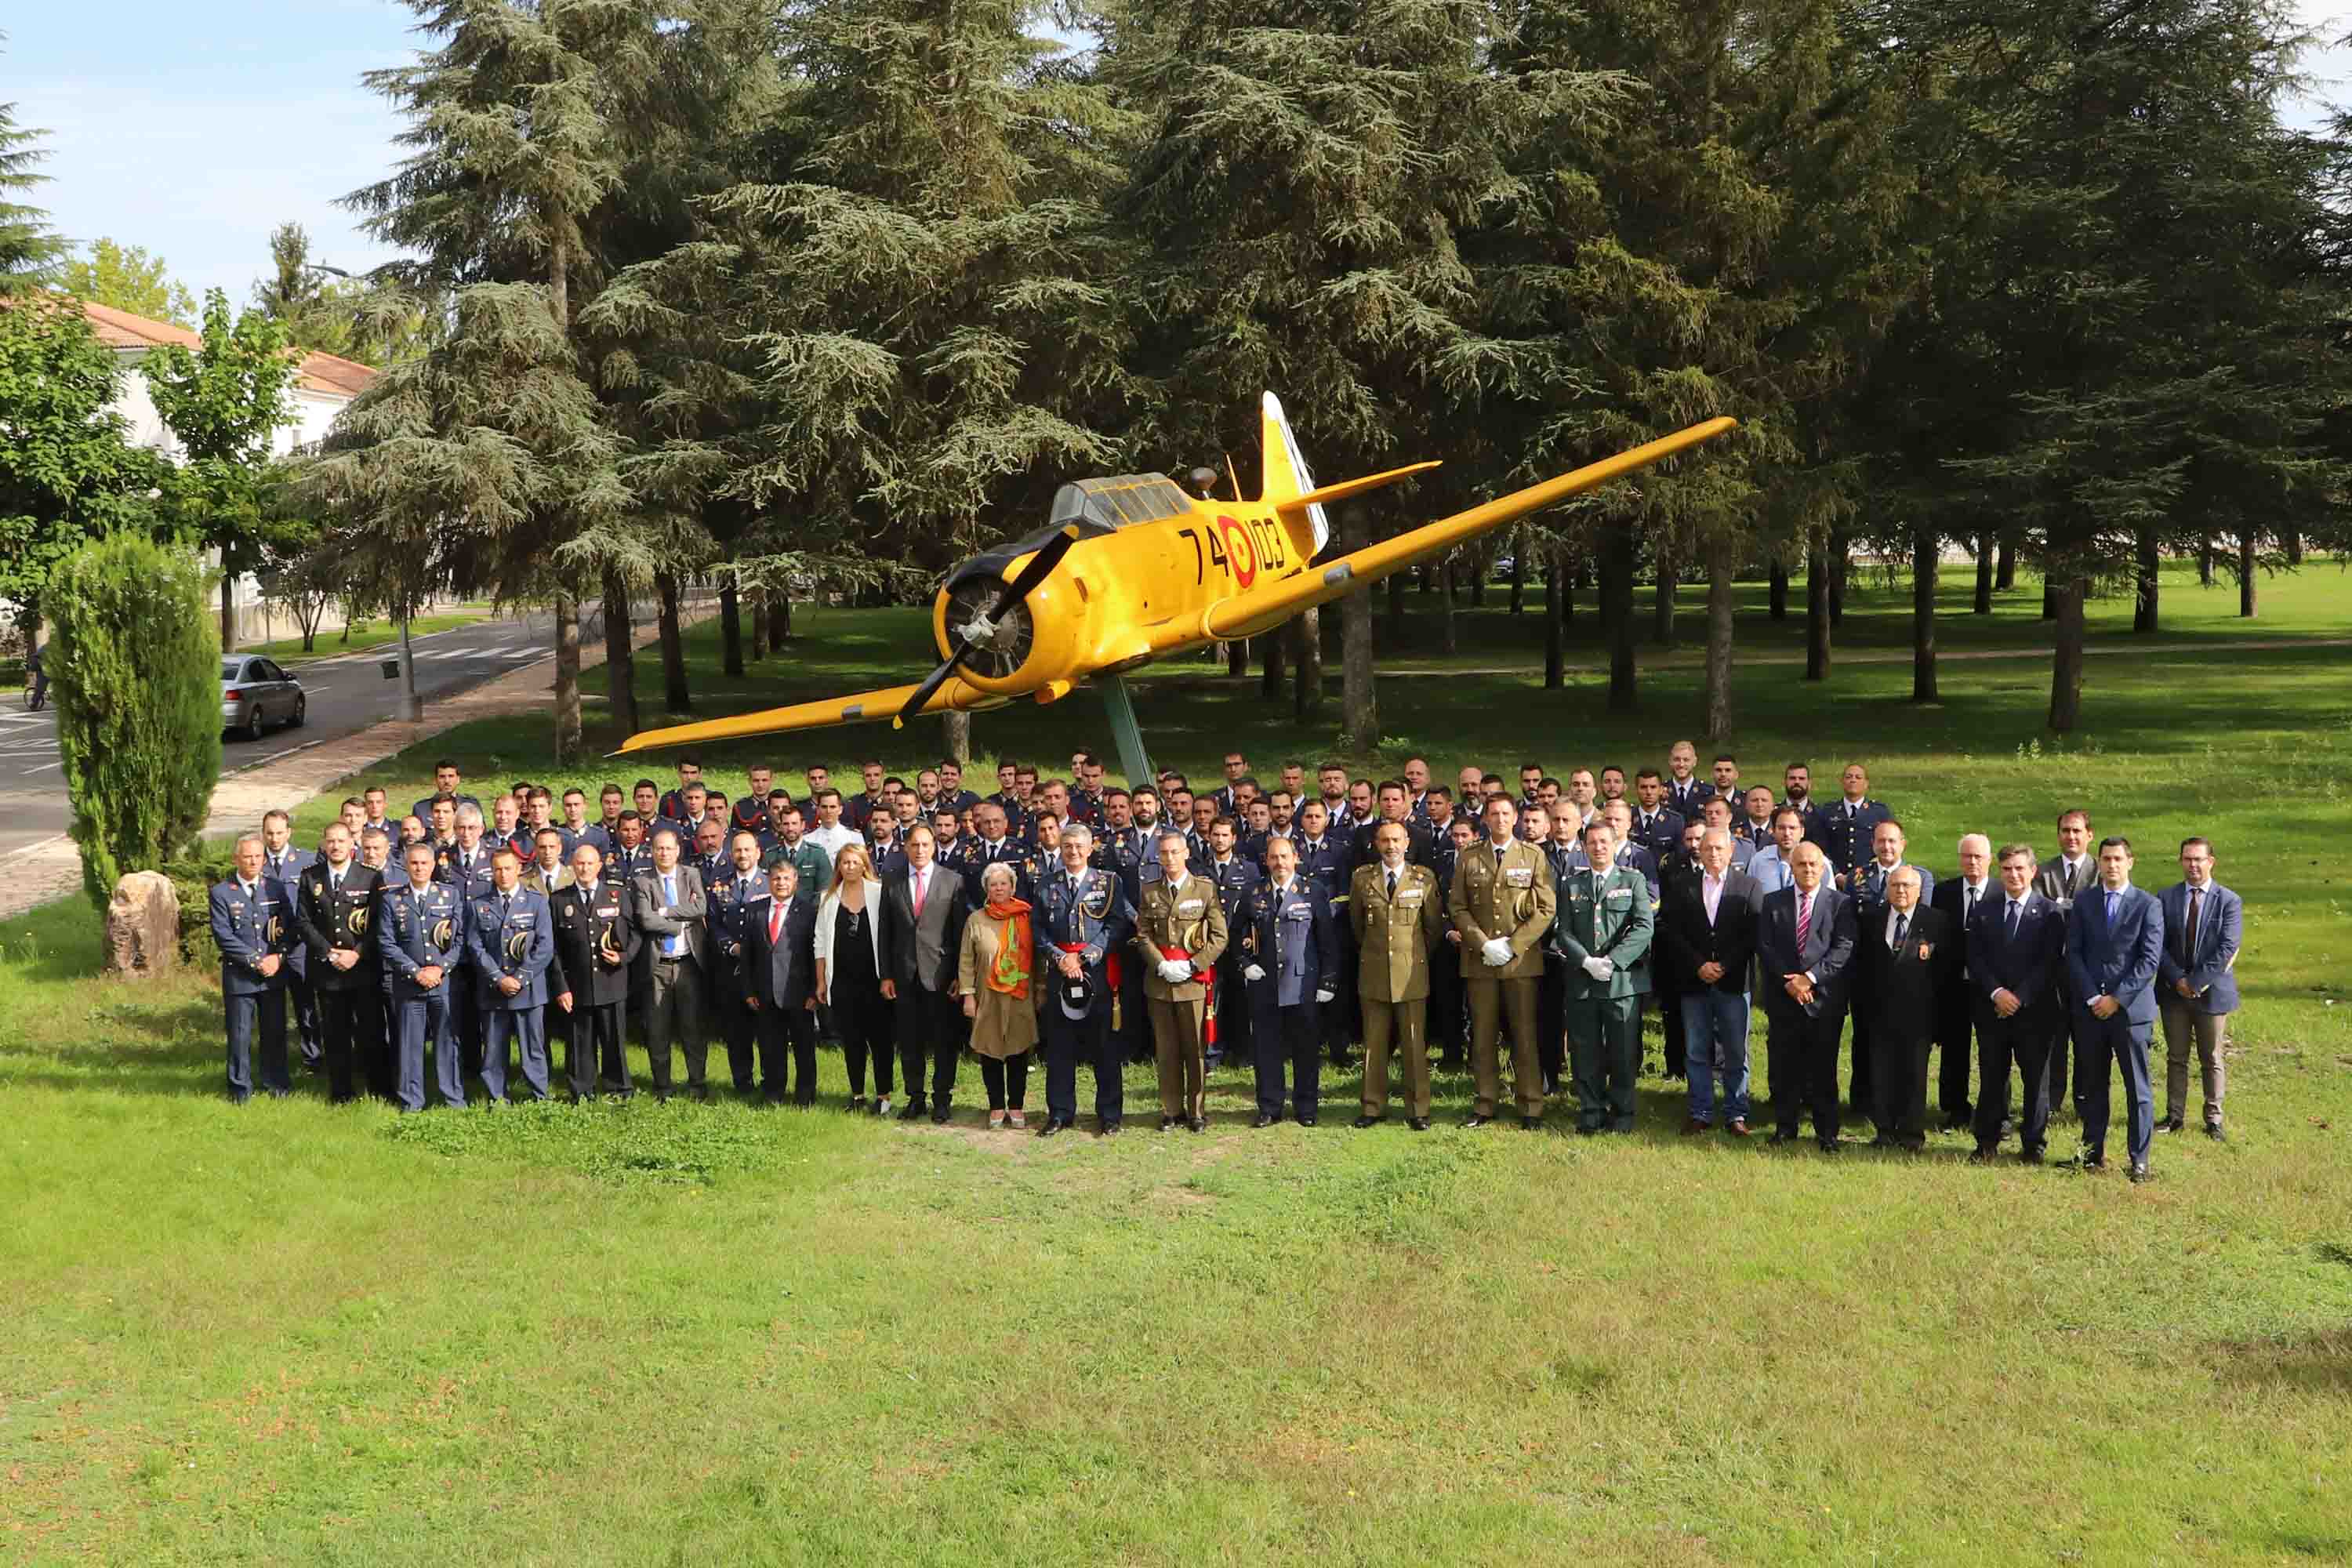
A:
(134, 669)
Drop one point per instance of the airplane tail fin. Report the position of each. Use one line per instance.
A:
(1287, 477)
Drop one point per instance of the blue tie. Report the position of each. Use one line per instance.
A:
(2014, 905)
(669, 897)
(2111, 907)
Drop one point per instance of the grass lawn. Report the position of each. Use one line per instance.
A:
(367, 635)
(295, 1332)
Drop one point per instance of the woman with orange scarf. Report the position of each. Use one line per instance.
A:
(994, 972)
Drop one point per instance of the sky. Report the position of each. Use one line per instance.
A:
(194, 127)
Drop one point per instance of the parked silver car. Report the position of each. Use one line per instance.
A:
(254, 692)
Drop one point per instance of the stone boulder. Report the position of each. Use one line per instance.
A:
(143, 926)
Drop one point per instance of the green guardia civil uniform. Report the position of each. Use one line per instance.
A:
(1604, 914)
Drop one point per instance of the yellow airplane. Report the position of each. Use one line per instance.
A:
(1133, 568)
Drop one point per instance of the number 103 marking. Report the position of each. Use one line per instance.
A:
(1239, 548)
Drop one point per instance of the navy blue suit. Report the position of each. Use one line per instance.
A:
(2030, 965)
(511, 936)
(1294, 944)
(2114, 957)
(419, 928)
(1803, 1038)
(249, 925)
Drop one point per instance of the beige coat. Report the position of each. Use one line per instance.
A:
(1002, 1026)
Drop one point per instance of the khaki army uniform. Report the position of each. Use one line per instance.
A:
(1191, 917)
(1395, 934)
(1513, 899)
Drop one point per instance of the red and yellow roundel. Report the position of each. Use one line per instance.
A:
(1241, 554)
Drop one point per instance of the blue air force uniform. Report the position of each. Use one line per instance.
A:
(1088, 914)
(1846, 830)
(1287, 935)
(419, 927)
(511, 936)
(249, 923)
(1330, 863)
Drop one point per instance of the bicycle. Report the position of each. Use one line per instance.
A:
(36, 691)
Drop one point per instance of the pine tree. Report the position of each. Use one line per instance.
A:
(29, 247)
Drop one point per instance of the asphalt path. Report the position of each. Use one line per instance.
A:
(347, 693)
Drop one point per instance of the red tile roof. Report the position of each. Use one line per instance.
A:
(323, 373)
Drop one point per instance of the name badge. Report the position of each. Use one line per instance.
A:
(1517, 876)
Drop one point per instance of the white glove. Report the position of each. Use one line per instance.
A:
(1175, 971)
(1253, 975)
(1598, 968)
(1323, 996)
(1497, 952)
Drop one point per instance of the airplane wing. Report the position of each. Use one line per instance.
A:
(956, 693)
(1248, 613)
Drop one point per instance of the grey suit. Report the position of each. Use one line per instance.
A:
(919, 958)
(670, 981)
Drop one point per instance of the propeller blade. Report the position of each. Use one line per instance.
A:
(1041, 566)
(932, 683)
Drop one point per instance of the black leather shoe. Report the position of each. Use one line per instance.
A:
(2140, 1173)
(1306, 1121)
(1418, 1123)
(1365, 1121)
(1982, 1157)
(940, 1115)
(912, 1110)
(1474, 1120)
(2213, 1131)
(1110, 1129)
(1957, 1122)
(1167, 1123)
(2171, 1125)
(1264, 1120)
(1530, 1123)
(1198, 1124)
(2092, 1160)
(2029, 1156)
(1782, 1135)
(1052, 1124)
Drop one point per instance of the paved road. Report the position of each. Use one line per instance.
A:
(347, 693)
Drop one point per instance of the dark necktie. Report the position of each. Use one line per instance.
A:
(2014, 905)
(2189, 930)
(1392, 882)
(1902, 927)
(1804, 923)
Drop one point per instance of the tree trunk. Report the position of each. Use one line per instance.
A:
(1359, 693)
(1617, 593)
(1663, 612)
(620, 662)
(1985, 548)
(2066, 661)
(1477, 568)
(1427, 575)
(2004, 571)
(1926, 553)
(227, 609)
(1778, 599)
(1448, 636)
(2150, 562)
(1817, 611)
(1272, 646)
(2205, 561)
(567, 678)
(675, 697)
(2291, 541)
(411, 706)
(1721, 564)
(730, 626)
(2049, 596)
(1555, 640)
(1840, 567)
(2246, 576)
(780, 618)
(1307, 664)
(1237, 658)
(759, 628)
(1518, 576)
(955, 733)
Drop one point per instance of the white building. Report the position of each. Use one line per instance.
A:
(322, 387)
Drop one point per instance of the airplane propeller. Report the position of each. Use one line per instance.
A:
(1041, 566)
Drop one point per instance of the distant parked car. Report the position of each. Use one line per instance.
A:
(255, 694)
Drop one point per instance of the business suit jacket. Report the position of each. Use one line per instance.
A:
(2119, 960)
(1828, 954)
(1395, 937)
(2031, 967)
(347, 919)
(781, 973)
(1900, 993)
(1691, 939)
(510, 935)
(921, 952)
(1949, 894)
(587, 919)
(248, 929)
(2210, 967)
(655, 918)
(1515, 900)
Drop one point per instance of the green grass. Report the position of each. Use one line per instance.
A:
(297, 1332)
(367, 635)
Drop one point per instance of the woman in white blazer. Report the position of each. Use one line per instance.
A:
(849, 974)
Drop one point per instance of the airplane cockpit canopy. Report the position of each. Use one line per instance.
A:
(1098, 506)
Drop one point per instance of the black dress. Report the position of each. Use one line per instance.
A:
(859, 1012)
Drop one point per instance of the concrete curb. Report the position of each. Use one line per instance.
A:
(52, 868)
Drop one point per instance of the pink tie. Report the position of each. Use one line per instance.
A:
(921, 878)
(775, 924)
(1804, 923)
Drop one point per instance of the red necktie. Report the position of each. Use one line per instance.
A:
(1804, 923)
(775, 923)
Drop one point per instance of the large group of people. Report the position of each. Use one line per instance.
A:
(1273, 924)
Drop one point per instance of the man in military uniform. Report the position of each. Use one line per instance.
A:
(1326, 860)
(510, 938)
(420, 929)
(1397, 911)
(1448, 1020)
(282, 863)
(1127, 851)
(252, 924)
(1686, 792)
(1082, 920)
(334, 903)
(954, 796)
(1603, 930)
(809, 862)
(445, 783)
(1180, 934)
(1848, 828)
(994, 847)
(728, 891)
(1234, 876)
(1290, 964)
(595, 946)
(1657, 827)
(1502, 902)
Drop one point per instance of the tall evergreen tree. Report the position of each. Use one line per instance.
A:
(29, 247)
